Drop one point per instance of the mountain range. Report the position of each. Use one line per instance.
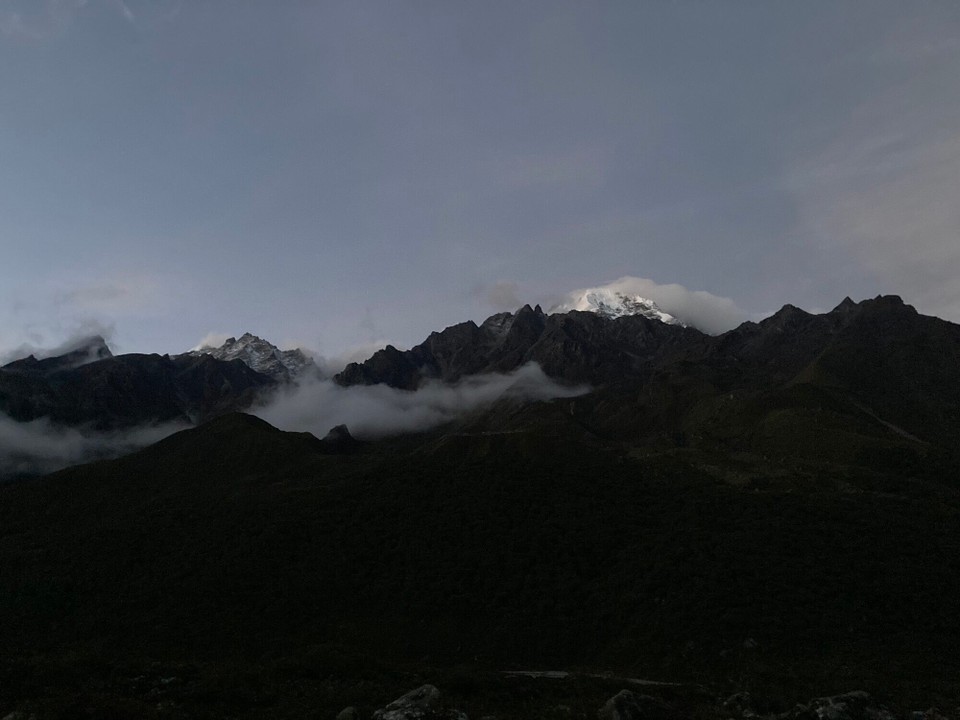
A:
(774, 510)
(261, 356)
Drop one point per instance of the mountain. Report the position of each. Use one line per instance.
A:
(126, 390)
(78, 353)
(575, 346)
(261, 356)
(613, 304)
(879, 358)
(774, 510)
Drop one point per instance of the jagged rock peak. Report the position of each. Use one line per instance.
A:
(890, 302)
(339, 433)
(613, 304)
(94, 347)
(71, 354)
(845, 306)
(260, 355)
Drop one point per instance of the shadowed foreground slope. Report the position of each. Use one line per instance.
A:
(517, 549)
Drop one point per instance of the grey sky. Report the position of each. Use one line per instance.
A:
(334, 174)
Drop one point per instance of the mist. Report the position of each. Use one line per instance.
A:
(82, 337)
(40, 446)
(705, 311)
(316, 405)
(373, 411)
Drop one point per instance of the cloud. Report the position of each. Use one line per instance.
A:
(120, 296)
(50, 311)
(35, 20)
(882, 188)
(124, 10)
(379, 410)
(703, 310)
(890, 201)
(45, 20)
(579, 167)
(502, 296)
(211, 340)
(330, 365)
(39, 446)
(78, 335)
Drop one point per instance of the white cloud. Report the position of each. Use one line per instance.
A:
(211, 340)
(703, 310)
(49, 313)
(42, 447)
(379, 410)
(75, 337)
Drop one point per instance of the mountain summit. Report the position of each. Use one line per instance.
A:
(613, 304)
(258, 354)
(74, 354)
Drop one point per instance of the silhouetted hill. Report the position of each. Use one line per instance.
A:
(530, 547)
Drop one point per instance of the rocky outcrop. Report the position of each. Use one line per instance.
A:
(339, 441)
(628, 705)
(855, 705)
(424, 703)
(261, 356)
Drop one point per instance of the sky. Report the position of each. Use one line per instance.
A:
(338, 175)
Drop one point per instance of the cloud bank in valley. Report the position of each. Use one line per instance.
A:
(378, 410)
(40, 446)
(705, 311)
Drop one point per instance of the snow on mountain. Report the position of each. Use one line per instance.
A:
(613, 304)
(260, 355)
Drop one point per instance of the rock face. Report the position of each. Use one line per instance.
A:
(339, 441)
(881, 354)
(576, 346)
(628, 705)
(259, 355)
(855, 705)
(623, 706)
(127, 390)
(613, 304)
(420, 704)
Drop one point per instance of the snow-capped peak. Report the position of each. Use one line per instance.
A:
(260, 355)
(613, 304)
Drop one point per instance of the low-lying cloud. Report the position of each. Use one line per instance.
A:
(40, 446)
(372, 411)
(705, 311)
(316, 405)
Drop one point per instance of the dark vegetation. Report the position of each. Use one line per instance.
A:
(775, 510)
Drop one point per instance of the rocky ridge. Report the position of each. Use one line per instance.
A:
(81, 352)
(261, 356)
(613, 304)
